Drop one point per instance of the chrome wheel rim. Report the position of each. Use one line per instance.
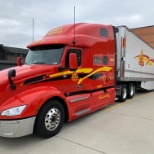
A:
(52, 119)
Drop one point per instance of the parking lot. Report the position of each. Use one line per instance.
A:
(121, 128)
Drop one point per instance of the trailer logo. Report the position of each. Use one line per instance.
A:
(144, 59)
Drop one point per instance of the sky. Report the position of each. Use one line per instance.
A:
(21, 21)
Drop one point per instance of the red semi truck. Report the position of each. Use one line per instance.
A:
(71, 72)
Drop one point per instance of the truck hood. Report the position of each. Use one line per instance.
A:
(29, 71)
(25, 74)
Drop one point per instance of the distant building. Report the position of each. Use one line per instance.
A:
(8, 56)
(11, 53)
(145, 33)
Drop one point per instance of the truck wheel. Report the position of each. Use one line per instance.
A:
(50, 119)
(131, 90)
(123, 96)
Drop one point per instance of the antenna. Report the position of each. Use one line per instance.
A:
(74, 27)
(33, 29)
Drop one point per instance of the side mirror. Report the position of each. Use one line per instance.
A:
(73, 64)
(12, 73)
(19, 63)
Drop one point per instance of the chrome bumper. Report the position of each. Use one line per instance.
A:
(17, 128)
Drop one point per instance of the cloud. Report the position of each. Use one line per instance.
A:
(16, 17)
(129, 20)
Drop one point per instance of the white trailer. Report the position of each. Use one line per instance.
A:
(135, 64)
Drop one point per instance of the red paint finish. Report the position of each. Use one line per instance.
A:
(83, 90)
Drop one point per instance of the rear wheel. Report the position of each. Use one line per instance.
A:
(123, 96)
(130, 90)
(50, 119)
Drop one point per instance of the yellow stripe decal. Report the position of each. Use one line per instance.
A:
(84, 70)
(81, 70)
(60, 74)
(105, 69)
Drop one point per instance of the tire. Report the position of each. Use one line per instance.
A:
(123, 96)
(130, 90)
(50, 119)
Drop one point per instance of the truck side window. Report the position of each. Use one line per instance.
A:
(104, 32)
(105, 60)
(78, 53)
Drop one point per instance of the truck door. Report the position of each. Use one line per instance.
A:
(69, 83)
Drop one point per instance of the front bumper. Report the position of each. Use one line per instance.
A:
(16, 128)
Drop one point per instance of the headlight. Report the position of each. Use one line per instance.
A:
(13, 111)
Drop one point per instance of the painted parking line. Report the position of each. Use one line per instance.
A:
(114, 107)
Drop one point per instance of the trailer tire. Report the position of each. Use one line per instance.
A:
(123, 96)
(130, 90)
(50, 119)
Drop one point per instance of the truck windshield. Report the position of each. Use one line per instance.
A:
(45, 55)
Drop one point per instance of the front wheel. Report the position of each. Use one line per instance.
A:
(50, 119)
